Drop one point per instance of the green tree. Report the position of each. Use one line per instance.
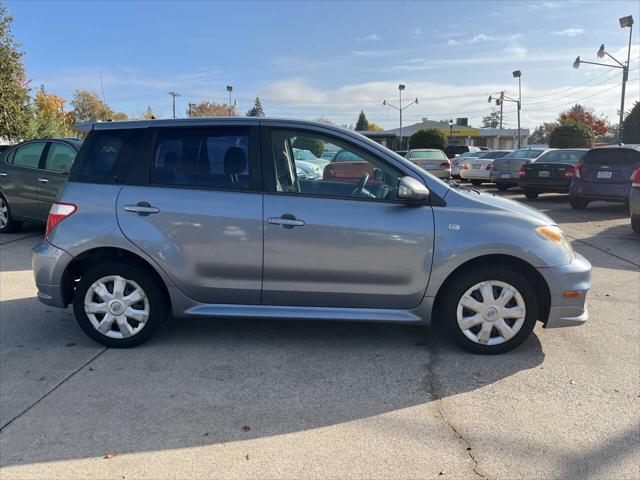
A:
(256, 110)
(572, 135)
(87, 107)
(14, 87)
(48, 117)
(539, 136)
(492, 120)
(314, 145)
(362, 124)
(212, 109)
(428, 138)
(631, 125)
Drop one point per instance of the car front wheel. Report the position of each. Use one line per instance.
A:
(531, 195)
(489, 310)
(119, 305)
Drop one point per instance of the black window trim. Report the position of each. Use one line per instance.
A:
(268, 168)
(255, 172)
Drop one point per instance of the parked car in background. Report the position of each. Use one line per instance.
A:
(634, 201)
(308, 156)
(402, 153)
(328, 155)
(308, 170)
(477, 168)
(551, 172)
(432, 160)
(453, 150)
(506, 170)
(202, 219)
(31, 174)
(604, 174)
(458, 161)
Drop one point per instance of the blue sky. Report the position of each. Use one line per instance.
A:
(331, 59)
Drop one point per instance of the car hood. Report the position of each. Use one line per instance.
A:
(487, 201)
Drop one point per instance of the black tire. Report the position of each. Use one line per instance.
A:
(502, 187)
(12, 225)
(477, 183)
(531, 195)
(466, 280)
(635, 223)
(158, 304)
(578, 203)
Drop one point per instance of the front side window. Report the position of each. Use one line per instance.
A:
(351, 173)
(59, 158)
(28, 155)
(202, 157)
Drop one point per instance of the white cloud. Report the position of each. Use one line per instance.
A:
(484, 38)
(570, 32)
(373, 37)
(416, 32)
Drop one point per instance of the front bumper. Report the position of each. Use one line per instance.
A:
(576, 276)
(49, 264)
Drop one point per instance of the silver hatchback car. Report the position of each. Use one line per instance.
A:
(208, 218)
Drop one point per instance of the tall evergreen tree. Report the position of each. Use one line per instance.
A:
(631, 125)
(14, 87)
(363, 123)
(256, 110)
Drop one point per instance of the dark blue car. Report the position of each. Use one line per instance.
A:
(604, 174)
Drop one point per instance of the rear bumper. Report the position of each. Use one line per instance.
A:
(49, 264)
(613, 192)
(500, 177)
(551, 186)
(576, 276)
(440, 173)
(474, 174)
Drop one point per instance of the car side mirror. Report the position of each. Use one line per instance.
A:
(412, 190)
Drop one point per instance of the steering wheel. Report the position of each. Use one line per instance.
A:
(360, 191)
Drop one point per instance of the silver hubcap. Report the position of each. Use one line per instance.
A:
(116, 307)
(491, 312)
(4, 214)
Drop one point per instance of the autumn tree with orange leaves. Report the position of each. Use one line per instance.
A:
(581, 115)
(49, 116)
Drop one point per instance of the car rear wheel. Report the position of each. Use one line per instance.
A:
(530, 194)
(578, 203)
(7, 223)
(489, 310)
(119, 305)
(476, 182)
(635, 223)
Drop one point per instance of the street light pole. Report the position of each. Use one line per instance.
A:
(400, 109)
(229, 89)
(450, 130)
(624, 22)
(518, 74)
(174, 95)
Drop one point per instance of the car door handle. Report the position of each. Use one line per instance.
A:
(287, 221)
(43, 180)
(3, 174)
(142, 208)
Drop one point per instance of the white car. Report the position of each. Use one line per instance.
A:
(458, 161)
(478, 169)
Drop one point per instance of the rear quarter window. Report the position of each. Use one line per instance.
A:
(612, 156)
(106, 155)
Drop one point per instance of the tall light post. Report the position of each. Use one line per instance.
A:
(624, 23)
(174, 95)
(229, 89)
(400, 109)
(518, 74)
(450, 130)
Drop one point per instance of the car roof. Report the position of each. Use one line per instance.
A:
(424, 150)
(631, 146)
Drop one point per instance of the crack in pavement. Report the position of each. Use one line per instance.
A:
(64, 380)
(433, 390)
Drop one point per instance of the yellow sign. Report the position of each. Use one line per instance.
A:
(467, 132)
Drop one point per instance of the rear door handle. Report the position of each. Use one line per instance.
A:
(286, 220)
(43, 180)
(3, 174)
(142, 208)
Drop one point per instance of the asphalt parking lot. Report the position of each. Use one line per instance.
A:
(286, 399)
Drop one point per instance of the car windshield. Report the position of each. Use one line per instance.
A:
(434, 154)
(471, 154)
(525, 153)
(562, 156)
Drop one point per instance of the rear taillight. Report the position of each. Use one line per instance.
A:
(489, 166)
(635, 179)
(569, 172)
(445, 164)
(576, 170)
(465, 166)
(58, 212)
(522, 173)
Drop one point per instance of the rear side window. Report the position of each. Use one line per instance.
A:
(562, 156)
(28, 155)
(612, 156)
(106, 155)
(433, 155)
(202, 157)
(59, 158)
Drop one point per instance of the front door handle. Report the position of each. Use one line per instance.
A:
(287, 221)
(43, 180)
(3, 174)
(142, 208)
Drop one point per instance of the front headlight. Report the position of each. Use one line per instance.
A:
(556, 235)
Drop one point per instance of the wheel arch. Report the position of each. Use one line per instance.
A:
(94, 256)
(529, 271)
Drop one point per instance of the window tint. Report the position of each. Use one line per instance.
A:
(612, 156)
(60, 157)
(352, 173)
(106, 154)
(526, 153)
(202, 157)
(435, 155)
(561, 156)
(492, 154)
(28, 155)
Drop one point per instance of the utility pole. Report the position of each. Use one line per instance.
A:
(174, 95)
(400, 109)
(518, 74)
(190, 109)
(501, 100)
